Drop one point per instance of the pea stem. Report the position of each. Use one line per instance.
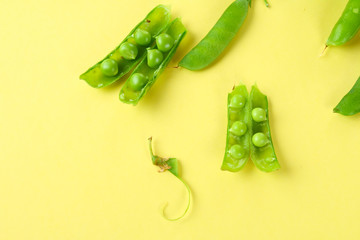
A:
(187, 207)
(150, 147)
(162, 163)
(267, 3)
(323, 52)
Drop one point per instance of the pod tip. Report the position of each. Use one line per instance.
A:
(323, 51)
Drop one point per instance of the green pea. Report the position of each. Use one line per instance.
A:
(109, 67)
(137, 81)
(142, 37)
(237, 101)
(259, 139)
(128, 51)
(236, 151)
(164, 42)
(238, 128)
(154, 58)
(258, 114)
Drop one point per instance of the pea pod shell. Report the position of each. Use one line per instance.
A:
(218, 38)
(177, 30)
(155, 22)
(350, 103)
(243, 114)
(264, 158)
(347, 26)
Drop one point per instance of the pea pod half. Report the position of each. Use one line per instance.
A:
(154, 23)
(350, 103)
(214, 43)
(347, 26)
(237, 151)
(261, 147)
(143, 77)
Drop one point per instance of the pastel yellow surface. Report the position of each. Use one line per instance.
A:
(74, 162)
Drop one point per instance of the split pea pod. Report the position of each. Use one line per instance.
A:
(144, 76)
(130, 51)
(214, 43)
(237, 151)
(261, 147)
(347, 26)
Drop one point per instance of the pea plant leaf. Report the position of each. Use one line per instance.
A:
(171, 165)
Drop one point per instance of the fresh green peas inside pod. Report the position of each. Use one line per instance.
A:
(236, 151)
(142, 37)
(237, 101)
(154, 58)
(164, 42)
(128, 51)
(238, 128)
(258, 114)
(259, 139)
(109, 67)
(137, 81)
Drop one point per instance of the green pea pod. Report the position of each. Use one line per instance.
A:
(130, 94)
(171, 165)
(347, 26)
(261, 147)
(218, 38)
(350, 103)
(237, 151)
(155, 22)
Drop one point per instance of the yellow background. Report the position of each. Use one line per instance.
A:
(74, 161)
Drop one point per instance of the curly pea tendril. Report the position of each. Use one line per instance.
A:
(171, 165)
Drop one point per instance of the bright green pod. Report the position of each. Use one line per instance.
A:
(154, 23)
(350, 103)
(263, 155)
(127, 95)
(347, 26)
(218, 38)
(237, 150)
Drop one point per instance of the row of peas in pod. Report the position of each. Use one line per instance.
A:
(148, 48)
(248, 131)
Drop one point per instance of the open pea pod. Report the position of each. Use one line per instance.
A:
(154, 23)
(237, 151)
(130, 94)
(261, 147)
